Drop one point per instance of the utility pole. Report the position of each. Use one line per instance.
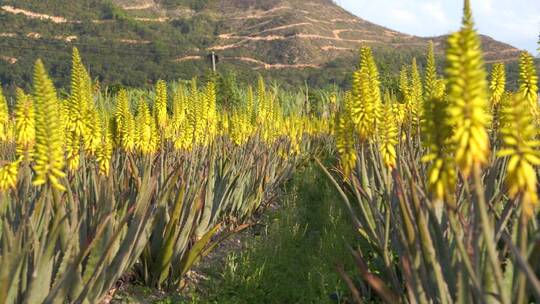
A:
(213, 62)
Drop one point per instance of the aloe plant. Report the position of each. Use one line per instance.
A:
(204, 194)
(66, 247)
(452, 216)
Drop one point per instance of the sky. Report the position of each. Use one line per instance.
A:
(516, 22)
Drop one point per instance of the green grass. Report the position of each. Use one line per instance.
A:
(292, 259)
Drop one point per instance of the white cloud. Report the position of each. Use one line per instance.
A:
(402, 16)
(485, 6)
(514, 21)
(436, 11)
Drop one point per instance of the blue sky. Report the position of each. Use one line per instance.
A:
(513, 21)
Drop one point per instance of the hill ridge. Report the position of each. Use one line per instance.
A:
(256, 35)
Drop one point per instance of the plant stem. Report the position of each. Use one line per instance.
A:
(489, 237)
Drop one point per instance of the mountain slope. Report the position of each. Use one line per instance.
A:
(130, 41)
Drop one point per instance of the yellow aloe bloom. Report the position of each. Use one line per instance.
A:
(8, 176)
(25, 129)
(92, 140)
(198, 107)
(147, 138)
(211, 111)
(441, 178)
(410, 104)
(4, 117)
(104, 152)
(125, 124)
(366, 102)
(345, 144)
(250, 103)
(440, 89)
(262, 101)
(239, 127)
(416, 89)
(399, 111)
(80, 98)
(367, 63)
(404, 84)
(64, 114)
(414, 97)
(73, 151)
(518, 132)
(81, 112)
(498, 83)
(467, 95)
(437, 136)
(187, 126)
(48, 152)
(160, 105)
(178, 115)
(388, 137)
(528, 82)
(294, 131)
(431, 78)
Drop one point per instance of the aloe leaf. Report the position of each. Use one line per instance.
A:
(197, 249)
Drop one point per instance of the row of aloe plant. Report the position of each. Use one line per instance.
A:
(91, 190)
(441, 181)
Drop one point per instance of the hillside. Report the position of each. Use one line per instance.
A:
(130, 41)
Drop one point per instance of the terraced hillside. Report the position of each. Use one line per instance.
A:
(310, 40)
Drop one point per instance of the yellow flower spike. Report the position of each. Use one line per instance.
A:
(64, 114)
(498, 83)
(518, 132)
(81, 110)
(345, 144)
(79, 98)
(25, 127)
(8, 176)
(404, 84)
(528, 82)
(104, 153)
(172, 131)
(440, 89)
(73, 153)
(416, 90)
(414, 97)
(188, 126)
(366, 96)
(125, 124)
(250, 103)
(431, 78)
(147, 138)
(92, 140)
(367, 63)
(467, 96)
(437, 135)
(399, 111)
(262, 101)
(388, 137)
(4, 117)
(160, 105)
(211, 111)
(48, 152)
(199, 116)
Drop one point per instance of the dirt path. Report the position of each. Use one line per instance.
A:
(288, 257)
